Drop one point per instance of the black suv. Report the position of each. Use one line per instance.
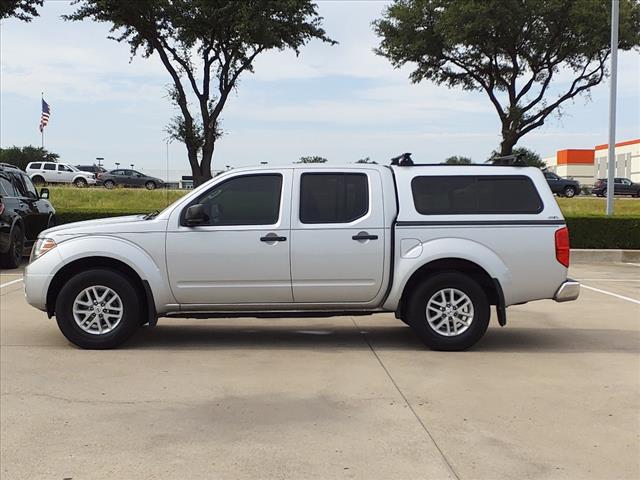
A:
(562, 187)
(95, 169)
(621, 186)
(24, 213)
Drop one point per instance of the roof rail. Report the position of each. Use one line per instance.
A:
(513, 160)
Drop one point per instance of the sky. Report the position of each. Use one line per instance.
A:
(341, 102)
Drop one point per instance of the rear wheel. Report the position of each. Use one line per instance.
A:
(38, 180)
(109, 184)
(12, 258)
(449, 311)
(80, 182)
(98, 309)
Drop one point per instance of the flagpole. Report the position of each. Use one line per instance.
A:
(41, 128)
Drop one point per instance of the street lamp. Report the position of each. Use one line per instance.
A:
(263, 163)
(131, 164)
(117, 164)
(100, 160)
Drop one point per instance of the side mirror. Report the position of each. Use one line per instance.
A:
(44, 193)
(195, 215)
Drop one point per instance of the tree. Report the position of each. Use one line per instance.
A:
(457, 160)
(21, 156)
(367, 160)
(205, 45)
(24, 10)
(312, 159)
(525, 155)
(510, 49)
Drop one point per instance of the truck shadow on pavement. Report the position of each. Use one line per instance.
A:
(510, 339)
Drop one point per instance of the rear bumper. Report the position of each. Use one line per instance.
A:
(568, 291)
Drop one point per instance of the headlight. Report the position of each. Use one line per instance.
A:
(42, 246)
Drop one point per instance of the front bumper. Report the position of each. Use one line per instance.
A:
(568, 291)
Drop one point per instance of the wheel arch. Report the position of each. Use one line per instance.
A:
(91, 262)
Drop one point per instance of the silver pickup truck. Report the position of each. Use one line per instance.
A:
(437, 245)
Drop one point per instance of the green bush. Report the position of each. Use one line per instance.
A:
(604, 232)
(584, 232)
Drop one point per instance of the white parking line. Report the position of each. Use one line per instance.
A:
(10, 283)
(634, 264)
(609, 279)
(632, 300)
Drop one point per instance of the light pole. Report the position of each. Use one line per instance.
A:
(611, 173)
(100, 160)
(117, 164)
(131, 164)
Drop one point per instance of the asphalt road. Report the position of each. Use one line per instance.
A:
(555, 394)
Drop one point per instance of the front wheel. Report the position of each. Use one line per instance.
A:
(80, 182)
(150, 185)
(98, 309)
(570, 192)
(449, 311)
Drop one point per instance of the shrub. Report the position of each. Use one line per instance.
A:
(604, 232)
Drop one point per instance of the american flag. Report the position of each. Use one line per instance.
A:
(44, 118)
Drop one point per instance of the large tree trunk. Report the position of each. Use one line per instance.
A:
(509, 140)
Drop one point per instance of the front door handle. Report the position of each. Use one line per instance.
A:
(364, 236)
(272, 237)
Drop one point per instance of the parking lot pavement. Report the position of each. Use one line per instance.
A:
(555, 394)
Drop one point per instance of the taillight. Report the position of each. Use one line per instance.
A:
(562, 246)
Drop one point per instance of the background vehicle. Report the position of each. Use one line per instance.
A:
(54, 172)
(130, 178)
(23, 214)
(95, 169)
(563, 187)
(435, 244)
(622, 186)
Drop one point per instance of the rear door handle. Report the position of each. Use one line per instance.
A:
(272, 237)
(364, 236)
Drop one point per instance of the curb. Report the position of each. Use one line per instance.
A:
(589, 255)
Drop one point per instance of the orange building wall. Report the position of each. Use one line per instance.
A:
(565, 157)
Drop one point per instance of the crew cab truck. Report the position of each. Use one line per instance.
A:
(437, 245)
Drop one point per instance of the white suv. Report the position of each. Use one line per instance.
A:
(54, 172)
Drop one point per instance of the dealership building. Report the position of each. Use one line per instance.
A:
(587, 165)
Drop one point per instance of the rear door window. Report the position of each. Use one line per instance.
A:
(482, 194)
(49, 166)
(6, 187)
(333, 197)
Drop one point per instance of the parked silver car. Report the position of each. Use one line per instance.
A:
(437, 245)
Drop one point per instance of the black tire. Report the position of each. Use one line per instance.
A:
(120, 284)
(12, 258)
(38, 180)
(150, 185)
(109, 184)
(80, 182)
(569, 192)
(417, 308)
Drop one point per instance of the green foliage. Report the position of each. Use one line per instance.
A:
(525, 155)
(23, 10)
(21, 156)
(510, 49)
(205, 45)
(312, 159)
(367, 160)
(604, 232)
(458, 160)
